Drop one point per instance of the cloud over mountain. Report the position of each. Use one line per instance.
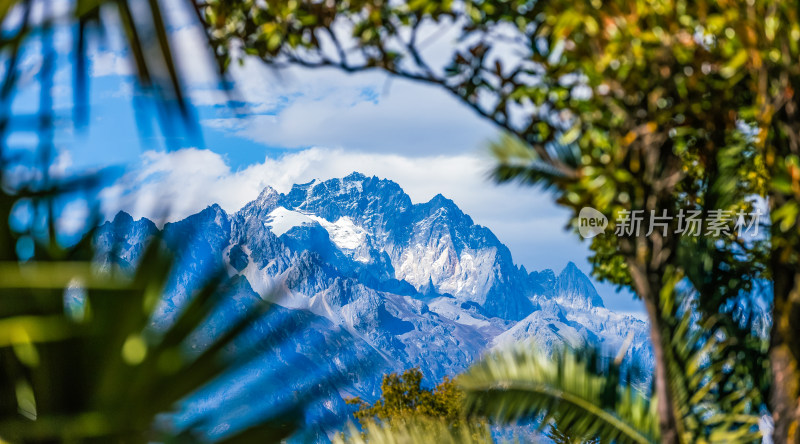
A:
(412, 284)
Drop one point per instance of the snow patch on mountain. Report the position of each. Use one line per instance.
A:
(413, 284)
(281, 220)
(445, 308)
(344, 233)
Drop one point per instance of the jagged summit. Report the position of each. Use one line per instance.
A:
(440, 200)
(373, 223)
(210, 214)
(122, 218)
(124, 223)
(268, 193)
(444, 206)
(355, 175)
(433, 246)
(421, 284)
(214, 209)
(573, 287)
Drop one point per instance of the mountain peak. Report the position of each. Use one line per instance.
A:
(213, 210)
(439, 199)
(354, 176)
(267, 199)
(444, 207)
(210, 215)
(424, 243)
(267, 193)
(571, 269)
(122, 218)
(573, 287)
(359, 255)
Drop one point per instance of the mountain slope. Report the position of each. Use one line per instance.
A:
(410, 284)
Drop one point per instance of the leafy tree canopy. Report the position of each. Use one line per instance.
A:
(648, 106)
(404, 397)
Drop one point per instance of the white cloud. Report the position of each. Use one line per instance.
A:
(300, 108)
(72, 218)
(61, 164)
(410, 118)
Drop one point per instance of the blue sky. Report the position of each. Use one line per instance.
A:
(298, 125)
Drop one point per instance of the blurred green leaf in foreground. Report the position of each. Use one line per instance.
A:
(79, 358)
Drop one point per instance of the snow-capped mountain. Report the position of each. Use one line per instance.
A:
(406, 284)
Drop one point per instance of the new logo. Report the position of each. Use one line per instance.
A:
(591, 222)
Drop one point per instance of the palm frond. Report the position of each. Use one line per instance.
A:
(715, 393)
(98, 370)
(578, 390)
(420, 430)
(716, 398)
(106, 374)
(560, 436)
(516, 161)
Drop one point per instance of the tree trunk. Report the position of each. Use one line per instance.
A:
(784, 347)
(667, 422)
(785, 353)
(648, 287)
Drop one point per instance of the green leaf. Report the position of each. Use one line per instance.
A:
(522, 383)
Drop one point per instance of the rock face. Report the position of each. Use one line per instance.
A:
(407, 284)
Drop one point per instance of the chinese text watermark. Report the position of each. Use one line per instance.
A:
(713, 223)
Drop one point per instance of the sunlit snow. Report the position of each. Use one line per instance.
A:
(281, 220)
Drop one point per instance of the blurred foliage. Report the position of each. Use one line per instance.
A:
(407, 412)
(402, 396)
(663, 105)
(143, 26)
(82, 363)
(80, 358)
(577, 390)
(559, 436)
(590, 397)
(414, 430)
(576, 395)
